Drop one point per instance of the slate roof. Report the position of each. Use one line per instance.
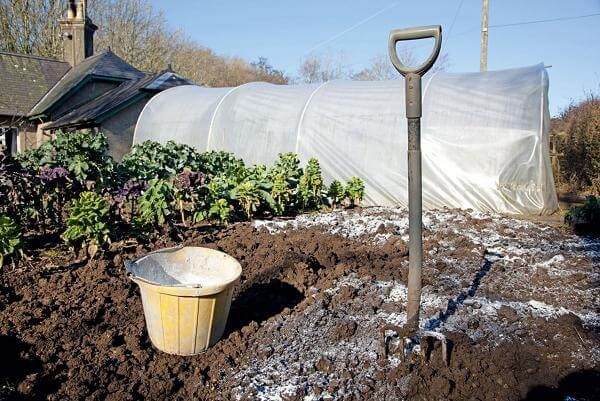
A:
(102, 65)
(93, 112)
(24, 79)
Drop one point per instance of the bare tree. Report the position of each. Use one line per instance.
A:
(381, 68)
(135, 31)
(30, 26)
(323, 67)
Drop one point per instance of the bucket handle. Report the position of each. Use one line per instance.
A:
(423, 32)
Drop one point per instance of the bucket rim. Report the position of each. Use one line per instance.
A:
(208, 289)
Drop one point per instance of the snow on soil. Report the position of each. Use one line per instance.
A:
(526, 249)
(547, 275)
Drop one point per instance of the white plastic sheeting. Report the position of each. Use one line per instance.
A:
(484, 135)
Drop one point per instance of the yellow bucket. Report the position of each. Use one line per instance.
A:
(186, 295)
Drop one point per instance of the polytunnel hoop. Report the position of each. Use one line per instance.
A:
(213, 117)
(301, 119)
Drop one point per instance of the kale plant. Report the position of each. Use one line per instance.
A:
(285, 176)
(336, 193)
(355, 191)
(310, 187)
(83, 153)
(154, 205)
(189, 192)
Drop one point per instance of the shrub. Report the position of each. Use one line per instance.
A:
(585, 218)
(355, 191)
(581, 148)
(336, 193)
(87, 223)
(10, 238)
(310, 186)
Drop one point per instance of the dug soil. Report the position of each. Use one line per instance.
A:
(517, 301)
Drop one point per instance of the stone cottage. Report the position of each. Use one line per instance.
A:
(83, 90)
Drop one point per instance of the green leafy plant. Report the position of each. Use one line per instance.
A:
(188, 190)
(151, 159)
(221, 210)
(218, 200)
(87, 224)
(10, 238)
(154, 205)
(252, 193)
(355, 191)
(247, 194)
(83, 153)
(285, 176)
(336, 193)
(585, 219)
(214, 163)
(310, 187)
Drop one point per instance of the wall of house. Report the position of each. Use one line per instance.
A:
(87, 92)
(28, 136)
(119, 129)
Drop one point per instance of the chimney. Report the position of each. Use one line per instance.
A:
(77, 33)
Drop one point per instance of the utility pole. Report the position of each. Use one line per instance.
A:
(485, 11)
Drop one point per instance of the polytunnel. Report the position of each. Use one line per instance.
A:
(485, 136)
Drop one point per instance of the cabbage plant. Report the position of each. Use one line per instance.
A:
(87, 224)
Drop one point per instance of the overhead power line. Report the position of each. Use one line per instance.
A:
(544, 20)
(353, 27)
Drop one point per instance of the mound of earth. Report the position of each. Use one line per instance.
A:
(518, 302)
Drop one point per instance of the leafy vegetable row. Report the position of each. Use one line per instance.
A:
(71, 186)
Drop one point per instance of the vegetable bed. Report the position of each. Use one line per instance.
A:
(517, 299)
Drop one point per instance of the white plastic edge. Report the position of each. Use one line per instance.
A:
(301, 119)
(214, 115)
(152, 99)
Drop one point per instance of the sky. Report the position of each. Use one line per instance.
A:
(286, 32)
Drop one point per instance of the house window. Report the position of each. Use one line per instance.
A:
(8, 139)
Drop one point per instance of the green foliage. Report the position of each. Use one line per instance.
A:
(252, 194)
(154, 205)
(285, 176)
(87, 223)
(289, 163)
(10, 238)
(585, 218)
(151, 159)
(214, 163)
(355, 191)
(310, 187)
(221, 210)
(82, 153)
(336, 193)
(153, 186)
